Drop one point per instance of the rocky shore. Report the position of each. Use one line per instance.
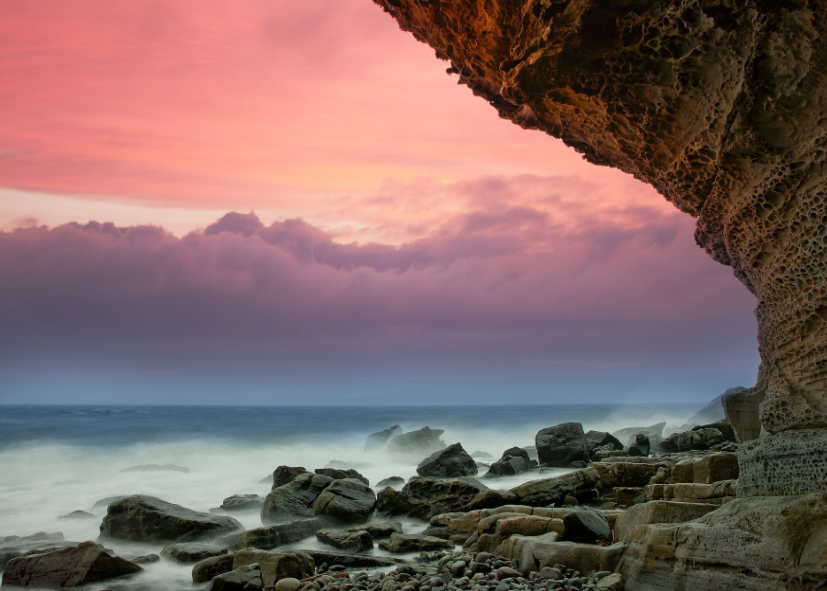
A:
(595, 510)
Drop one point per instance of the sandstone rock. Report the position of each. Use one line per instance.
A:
(380, 439)
(351, 541)
(242, 503)
(245, 578)
(294, 499)
(399, 543)
(286, 474)
(208, 569)
(489, 499)
(536, 552)
(421, 442)
(73, 566)
(631, 524)
(141, 518)
(425, 497)
(338, 474)
(378, 529)
(276, 565)
(717, 492)
(550, 491)
(561, 445)
(626, 474)
(715, 468)
(348, 500)
(451, 462)
(191, 552)
(527, 525)
(273, 536)
(612, 582)
(586, 526)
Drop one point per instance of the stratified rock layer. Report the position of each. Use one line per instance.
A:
(720, 105)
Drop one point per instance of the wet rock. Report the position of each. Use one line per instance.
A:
(399, 543)
(288, 584)
(242, 503)
(628, 473)
(38, 543)
(552, 491)
(287, 474)
(423, 441)
(142, 518)
(208, 569)
(348, 500)
(640, 447)
(379, 529)
(380, 439)
(156, 468)
(561, 445)
(294, 499)
(145, 559)
(702, 437)
(391, 481)
(453, 461)
(276, 565)
(631, 524)
(612, 582)
(339, 474)
(586, 526)
(245, 578)
(716, 493)
(428, 497)
(350, 541)
(653, 432)
(602, 439)
(274, 536)
(349, 560)
(514, 460)
(74, 566)
(490, 499)
(191, 552)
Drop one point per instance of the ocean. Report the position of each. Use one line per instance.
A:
(59, 459)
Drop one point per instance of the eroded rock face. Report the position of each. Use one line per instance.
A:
(721, 106)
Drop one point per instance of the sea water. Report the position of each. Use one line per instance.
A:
(59, 459)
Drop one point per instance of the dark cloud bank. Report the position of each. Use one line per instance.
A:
(498, 302)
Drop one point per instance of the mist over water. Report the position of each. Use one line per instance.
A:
(59, 459)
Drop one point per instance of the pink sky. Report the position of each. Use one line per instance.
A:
(396, 216)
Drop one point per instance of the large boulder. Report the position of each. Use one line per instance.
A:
(245, 578)
(287, 474)
(641, 446)
(603, 440)
(38, 543)
(276, 565)
(586, 526)
(141, 518)
(294, 499)
(348, 501)
(380, 439)
(273, 536)
(349, 540)
(341, 474)
(421, 442)
(431, 497)
(451, 462)
(514, 460)
(580, 484)
(74, 566)
(208, 569)
(561, 445)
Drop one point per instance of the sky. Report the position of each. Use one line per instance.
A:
(292, 202)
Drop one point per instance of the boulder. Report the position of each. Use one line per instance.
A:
(73, 566)
(393, 502)
(490, 499)
(702, 437)
(188, 553)
(627, 473)
(390, 481)
(276, 565)
(514, 460)
(715, 468)
(378, 529)
(348, 500)
(716, 493)
(429, 497)
(294, 499)
(653, 432)
(274, 536)
(399, 543)
(561, 445)
(451, 462)
(38, 543)
(552, 491)
(248, 502)
(142, 518)
(536, 552)
(339, 474)
(350, 541)
(603, 440)
(208, 569)
(527, 525)
(286, 474)
(380, 439)
(421, 442)
(586, 526)
(245, 578)
(640, 447)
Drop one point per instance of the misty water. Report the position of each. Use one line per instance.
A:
(59, 459)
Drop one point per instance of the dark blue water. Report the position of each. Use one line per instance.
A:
(127, 425)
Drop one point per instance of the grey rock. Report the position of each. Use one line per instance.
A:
(77, 515)
(189, 553)
(552, 491)
(350, 560)
(273, 536)
(145, 559)
(37, 543)
(627, 435)
(147, 519)
(245, 578)
(562, 444)
(379, 529)
(348, 500)
(640, 447)
(337, 474)
(453, 461)
(391, 481)
(423, 498)
(287, 584)
(74, 566)
(603, 440)
(585, 526)
(350, 541)
(287, 474)
(208, 569)
(380, 439)
(422, 441)
(242, 503)
(399, 543)
(294, 499)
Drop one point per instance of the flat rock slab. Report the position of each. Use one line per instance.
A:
(142, 518)
(191, 552)
(399, 543)
(351, 541)
(68, 567)
(267, 538)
